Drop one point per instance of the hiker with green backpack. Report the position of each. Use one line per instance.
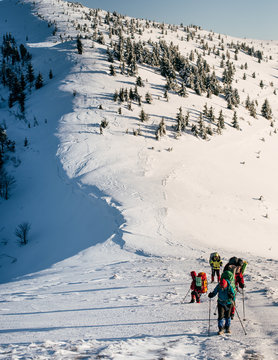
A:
(225, 302)
(233, 272)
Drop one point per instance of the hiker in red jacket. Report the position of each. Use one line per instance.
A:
(196, 292)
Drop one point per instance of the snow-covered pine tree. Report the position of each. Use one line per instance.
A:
(235, 121)
(143, 116)
(161, 130)
(139, 81)
(79, 45)
(266, 110)
(252, 110)
(30, 77)
(112, 70)
(220, 120)
(148, 98)
(182, 91)
(39, 81)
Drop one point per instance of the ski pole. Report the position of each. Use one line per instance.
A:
(185, 295)
(245, 333)
(243, 304)
(209, 317)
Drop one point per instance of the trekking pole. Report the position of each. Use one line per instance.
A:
(185, 296)
(245, 333)
(209, 317)
(243, 304)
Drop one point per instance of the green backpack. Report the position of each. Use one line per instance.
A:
(228, 275)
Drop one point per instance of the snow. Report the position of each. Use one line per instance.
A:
(119, 221)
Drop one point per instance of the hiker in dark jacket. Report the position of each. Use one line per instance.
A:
(226, 299)
(234, 265)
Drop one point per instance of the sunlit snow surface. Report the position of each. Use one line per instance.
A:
(118, 221)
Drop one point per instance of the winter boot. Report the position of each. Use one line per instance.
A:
(212, 278)
(221, 331)
(227, 330)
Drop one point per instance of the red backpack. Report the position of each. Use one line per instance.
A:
(201, 282)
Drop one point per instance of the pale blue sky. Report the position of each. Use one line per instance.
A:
(244, 18)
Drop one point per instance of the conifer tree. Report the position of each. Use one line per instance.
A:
(21, 101)
(79, 46)
(235, 121)
(201, 125)
(186, 118)
(221, 122)
(247, 102)
(197, 86)
(266, 110)
(143, 116)
(205, 111)
(252, 110)
(39, 81)
(161, 131)
(112, 70)
(180, 120)
(194, 130)
(116, 95)
(182, 91)
(30, 77)
(22, 82)
(148, 98)
(139, 81)
(110, 57)
(211, 114)
(3, 138)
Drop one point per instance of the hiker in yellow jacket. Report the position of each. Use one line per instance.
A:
(215, 264)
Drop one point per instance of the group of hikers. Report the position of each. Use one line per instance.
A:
(228, 284)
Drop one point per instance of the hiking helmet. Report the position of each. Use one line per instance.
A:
(193, 274)
(223, 283)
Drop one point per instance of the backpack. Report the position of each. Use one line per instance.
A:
(244, 266)
(228, 275)
(201, 282)
(233, 261)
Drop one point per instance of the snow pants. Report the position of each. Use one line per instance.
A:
(224, 315)
(195, 295)
(215, 272)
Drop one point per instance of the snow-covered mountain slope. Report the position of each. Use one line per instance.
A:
(118, 221)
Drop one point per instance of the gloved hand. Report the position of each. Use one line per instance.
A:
(210, 295)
